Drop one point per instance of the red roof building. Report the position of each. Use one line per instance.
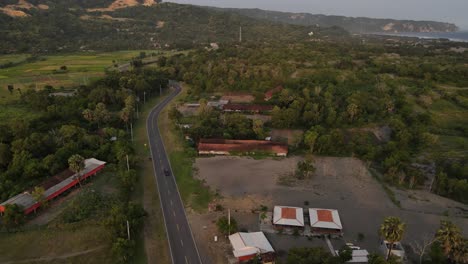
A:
(288, 216)
(228, 147)
(238, 97)
(325, 221)
(54, 186)
(269, 94)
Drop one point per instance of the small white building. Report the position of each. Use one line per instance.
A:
(288, 216)
(248, 245)
(325, 221)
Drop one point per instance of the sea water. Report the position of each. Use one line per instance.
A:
(460, 36)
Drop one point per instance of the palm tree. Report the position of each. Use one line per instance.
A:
(449, 236)
(76, 164)
(392, 230)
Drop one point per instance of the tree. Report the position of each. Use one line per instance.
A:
(123, 249)
(392, 230)
(420, 247)
(304, 169)
(38, 195)
(315, 255)
(257, 127)
(454, 245)
(310, 137)
(11, 88)
(5, 155)
(101, 114)
(13, 217)
(224, 227)
(88, 114)
(77, 165)
(352, 111)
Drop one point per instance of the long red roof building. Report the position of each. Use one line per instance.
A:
(54, 186)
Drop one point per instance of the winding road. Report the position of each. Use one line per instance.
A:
(182, 245)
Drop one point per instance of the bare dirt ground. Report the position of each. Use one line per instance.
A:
(339, 183)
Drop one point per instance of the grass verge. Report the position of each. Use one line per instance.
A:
(152, 246)
(195, 194)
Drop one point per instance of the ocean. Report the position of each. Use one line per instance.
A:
(459, 36)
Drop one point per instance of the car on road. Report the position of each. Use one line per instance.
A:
(166, 172)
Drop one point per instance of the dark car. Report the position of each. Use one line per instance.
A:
(166, 172)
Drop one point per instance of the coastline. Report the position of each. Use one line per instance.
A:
(457, 36)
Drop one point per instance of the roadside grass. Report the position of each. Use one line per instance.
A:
(58, 241)
(152, 246)
(194, 193)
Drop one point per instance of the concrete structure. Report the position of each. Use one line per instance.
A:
(54, 187)
(238, 97)
(325, 221)
(288, 216)
(228, 147)
(250, 108)
(248, 245)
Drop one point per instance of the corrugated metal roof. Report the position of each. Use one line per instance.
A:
(246, 244)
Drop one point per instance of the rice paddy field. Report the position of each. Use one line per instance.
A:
(81, 68)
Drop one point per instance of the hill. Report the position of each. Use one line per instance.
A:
(73, 25)
(352, 24)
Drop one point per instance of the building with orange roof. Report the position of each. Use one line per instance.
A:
(288, 216)
(325, 221)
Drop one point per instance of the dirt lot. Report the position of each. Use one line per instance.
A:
(339, 183)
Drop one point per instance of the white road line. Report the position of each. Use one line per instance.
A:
(173, 212)
(186, 260)
(178, 229)
(172, 203)
(182, 242)
(169, 192)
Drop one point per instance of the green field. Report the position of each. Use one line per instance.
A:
(81, 68)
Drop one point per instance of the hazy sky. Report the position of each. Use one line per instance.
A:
(454, 11)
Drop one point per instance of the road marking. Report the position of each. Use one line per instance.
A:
(171, 203)
(186, 260)
(173, 212)
(169, 192)
(182, 242)
(178, 229)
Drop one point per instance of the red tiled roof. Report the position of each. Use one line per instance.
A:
(288, 213)
(324, 215)
(241, 146)
(269, 94)
(247, 107)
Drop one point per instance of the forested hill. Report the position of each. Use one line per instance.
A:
(352, 24)
(61, 28)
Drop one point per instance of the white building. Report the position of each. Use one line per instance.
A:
(248, 245)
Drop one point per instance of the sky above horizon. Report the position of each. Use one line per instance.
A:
(453, 11)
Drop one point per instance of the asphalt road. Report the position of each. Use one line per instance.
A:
(181, 243)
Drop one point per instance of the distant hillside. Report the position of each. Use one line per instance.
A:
(60, 27)
(23, 8)
(352, 24)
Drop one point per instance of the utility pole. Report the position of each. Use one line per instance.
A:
(128, 230)
(160, 90)
(240, 34)
(229, 222)
(131, 130)
(128, 164)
